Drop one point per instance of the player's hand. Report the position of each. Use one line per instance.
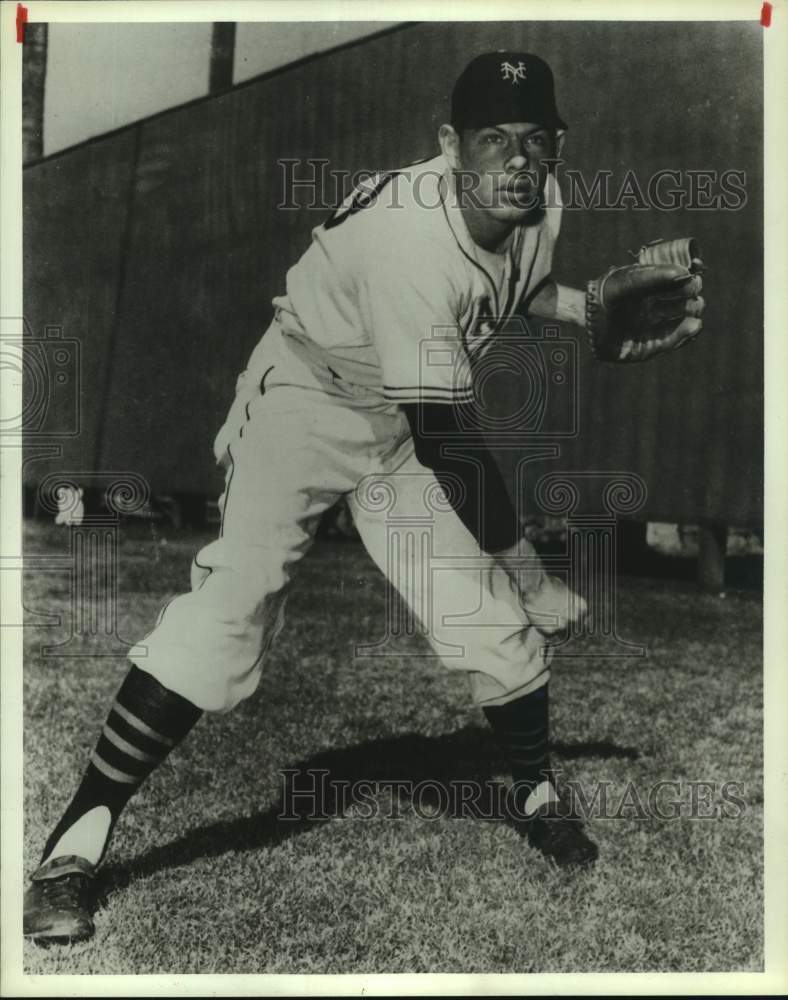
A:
(552, 607)
(547, 601)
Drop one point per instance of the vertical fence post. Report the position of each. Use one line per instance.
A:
(34, 68)
(222, 55)
(712, 546)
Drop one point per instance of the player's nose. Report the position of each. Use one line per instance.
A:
(518, 162)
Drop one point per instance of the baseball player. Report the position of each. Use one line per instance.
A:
(363, 387)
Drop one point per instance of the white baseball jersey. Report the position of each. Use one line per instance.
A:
(395, 294)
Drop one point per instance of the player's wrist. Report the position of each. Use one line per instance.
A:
(570, 305)
(523, 565)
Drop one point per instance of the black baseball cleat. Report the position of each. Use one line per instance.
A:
(60, 903)
(559, 836)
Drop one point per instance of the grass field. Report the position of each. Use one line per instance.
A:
(203, 877)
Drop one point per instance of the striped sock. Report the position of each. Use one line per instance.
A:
(145, 723)
(522, 728)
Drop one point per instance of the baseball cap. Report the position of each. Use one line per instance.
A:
(499, 87)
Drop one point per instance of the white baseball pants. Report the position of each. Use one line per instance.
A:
(297, 438)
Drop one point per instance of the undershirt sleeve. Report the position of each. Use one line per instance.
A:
(466, 470)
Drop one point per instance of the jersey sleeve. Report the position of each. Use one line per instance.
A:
(411, 308)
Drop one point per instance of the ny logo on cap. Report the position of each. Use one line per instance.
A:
(513, 73)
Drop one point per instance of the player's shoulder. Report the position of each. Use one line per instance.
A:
(400, 204)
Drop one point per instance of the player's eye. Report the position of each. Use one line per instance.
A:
(492, 138)
(537, 141)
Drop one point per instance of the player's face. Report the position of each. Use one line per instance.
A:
(506, 167)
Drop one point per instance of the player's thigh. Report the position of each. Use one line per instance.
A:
(291, 458)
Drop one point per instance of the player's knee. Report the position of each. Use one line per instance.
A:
(502, 660)
(488, 691)
(240, 580)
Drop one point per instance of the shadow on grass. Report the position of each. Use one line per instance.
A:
(469, 755)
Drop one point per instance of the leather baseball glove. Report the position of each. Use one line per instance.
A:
(653, 305)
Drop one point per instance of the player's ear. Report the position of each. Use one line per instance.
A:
(450, 145)
(560, 136)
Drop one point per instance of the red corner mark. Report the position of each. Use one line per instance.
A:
(21, 21)
(766, 15)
